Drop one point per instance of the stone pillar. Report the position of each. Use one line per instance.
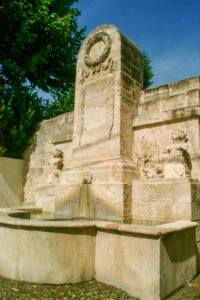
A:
(108, 80)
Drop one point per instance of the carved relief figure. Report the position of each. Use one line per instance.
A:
(102, 61)
(87, 178)
(172, 162)
(178, 164)
(148, 158)
(56, 163)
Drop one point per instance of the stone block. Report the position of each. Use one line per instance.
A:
(61, 138)
(173, 102)
(161, 200)
(55, 256)
(198, 233)
(154, 93)
(45, 197)
(68, 200)
(198, 256)
(110, 201)
(195, 192)
(136, 74)
(64, 199)
(12, 179)
(150, 107)
(193, 97)
(182, 211)
(184, 85)
(120, 258)
(178, 260)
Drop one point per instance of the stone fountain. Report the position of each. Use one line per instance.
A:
(122, 170)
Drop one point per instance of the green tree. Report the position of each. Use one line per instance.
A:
(18, 117)
(60, 104)
(39, 41)
(147, 70)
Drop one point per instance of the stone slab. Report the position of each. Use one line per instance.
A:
(146, 268)
(165, 200)
(12, 179)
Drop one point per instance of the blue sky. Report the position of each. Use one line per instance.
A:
(168, 30)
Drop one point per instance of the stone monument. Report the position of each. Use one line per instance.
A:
(137, 151)
(108, 81)
(125, 155)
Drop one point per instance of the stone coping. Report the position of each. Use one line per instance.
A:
(166, 116)
(156, 231)
(165, 180)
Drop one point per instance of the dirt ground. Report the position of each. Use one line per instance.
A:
(14, 290)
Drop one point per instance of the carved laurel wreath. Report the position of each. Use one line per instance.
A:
(105, 38)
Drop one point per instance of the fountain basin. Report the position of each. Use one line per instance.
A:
(148, 262)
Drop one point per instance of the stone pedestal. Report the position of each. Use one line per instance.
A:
(108, 82)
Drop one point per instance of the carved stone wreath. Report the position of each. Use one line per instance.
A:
(105, 38)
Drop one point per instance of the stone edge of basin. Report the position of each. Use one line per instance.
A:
(138, 229)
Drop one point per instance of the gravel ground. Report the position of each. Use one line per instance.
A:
(14, 290)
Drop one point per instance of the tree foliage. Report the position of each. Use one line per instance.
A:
(18, 118)
(60, 104)
(39, 41)
(147, 71)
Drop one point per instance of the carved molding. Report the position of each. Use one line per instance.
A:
(80, 114)
(110, 112)
(101, 63)
(100, 36)
(108, 65)
(84, 74)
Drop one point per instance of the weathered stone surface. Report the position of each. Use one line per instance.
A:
(159, 200)
(119, 258)
(151, 142)
(52, 256)
(52, 135)
(12, 178)
(148, 262)
(173, 272)
(124, 155)
(103, 120)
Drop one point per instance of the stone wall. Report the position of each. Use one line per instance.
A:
(167, 149)
(12, 178)
(162, 110)
(51, 135)
(137, 151)
(152, 129)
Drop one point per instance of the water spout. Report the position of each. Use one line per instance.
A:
(84, 203)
